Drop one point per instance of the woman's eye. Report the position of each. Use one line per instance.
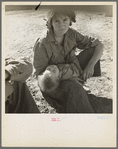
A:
(65, 20)
(57, 21)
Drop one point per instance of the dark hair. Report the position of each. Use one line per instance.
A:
(70, 13)
(46, 84)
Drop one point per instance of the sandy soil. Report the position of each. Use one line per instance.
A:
(22, 28)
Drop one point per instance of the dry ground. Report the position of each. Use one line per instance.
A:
(22, 28)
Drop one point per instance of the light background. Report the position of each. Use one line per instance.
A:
(71, 130)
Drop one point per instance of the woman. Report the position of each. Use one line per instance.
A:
(69, 97)
(18, 98)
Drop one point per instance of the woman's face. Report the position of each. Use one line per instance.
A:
(60, 24)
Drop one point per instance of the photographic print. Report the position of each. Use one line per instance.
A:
(59, 74)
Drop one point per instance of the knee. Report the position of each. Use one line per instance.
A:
(76, 87)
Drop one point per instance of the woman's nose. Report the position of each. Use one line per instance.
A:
(61, 23)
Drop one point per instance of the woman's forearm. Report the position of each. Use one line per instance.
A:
(97, 55)
(68, 71)
(7, 75)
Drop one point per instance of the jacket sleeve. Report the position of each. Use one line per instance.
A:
(85, 42)
(41, 59)
(72, 67)
(68, 71)
(18, 69)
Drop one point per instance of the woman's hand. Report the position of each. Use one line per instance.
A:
(88, 72)
(6, 75)
(80, 72)
(89, 69)
(8, 90)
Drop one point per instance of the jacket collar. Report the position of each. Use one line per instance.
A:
(50, 36)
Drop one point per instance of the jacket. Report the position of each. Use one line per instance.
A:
(48, 52)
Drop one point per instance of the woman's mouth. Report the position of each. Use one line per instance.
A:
(62, 29)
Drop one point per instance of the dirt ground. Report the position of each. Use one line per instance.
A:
(22, 28)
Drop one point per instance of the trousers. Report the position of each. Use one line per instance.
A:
(70, 96)
(21, 100)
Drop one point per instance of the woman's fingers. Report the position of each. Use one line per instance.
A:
(15, 70)
(84, 76)
(89, 75)
(88, 72)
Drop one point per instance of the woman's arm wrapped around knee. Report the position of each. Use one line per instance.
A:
(18, 69)
(89, 69)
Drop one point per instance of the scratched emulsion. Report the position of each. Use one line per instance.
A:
(22, 28)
